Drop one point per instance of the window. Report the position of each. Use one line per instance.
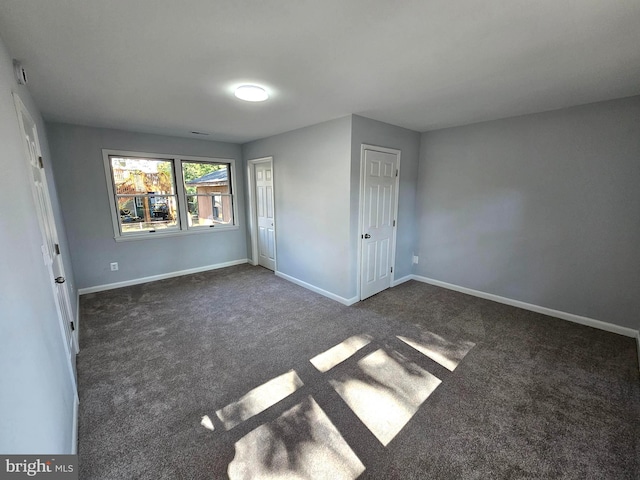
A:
(208, 193)
(168, 195)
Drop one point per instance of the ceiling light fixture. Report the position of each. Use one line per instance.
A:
(251, 93)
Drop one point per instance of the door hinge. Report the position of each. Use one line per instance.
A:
(391, 269)
(73, 327)
(40, 162)
(394, 223)
(57, 248)
(396, 172)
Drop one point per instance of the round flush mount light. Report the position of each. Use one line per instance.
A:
(251, 93)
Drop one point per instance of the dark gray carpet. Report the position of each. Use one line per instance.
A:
(534, 397)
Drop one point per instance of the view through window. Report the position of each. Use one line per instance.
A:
(145, 193)
(161, 194)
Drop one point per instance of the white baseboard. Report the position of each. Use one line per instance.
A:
(590, 322)
(638, 341)
(153, 278)
(308, 286)
(74, 427)
(397, 282)
(78, 317)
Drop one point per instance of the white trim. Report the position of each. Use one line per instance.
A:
(638, 347)
(74, 427)
(162, 276)
(590, 322)
(78, 321)
(397, 282)
(177, 233)
(253, 220)
(398, 154)
(345, 301)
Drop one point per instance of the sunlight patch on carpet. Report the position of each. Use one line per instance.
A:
(300, 444)
(385, 392)
(446, 353)
(338, 354)
(259, 399)
(207, 423)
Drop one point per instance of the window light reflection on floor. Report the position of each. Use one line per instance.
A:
(385, 393)
(207, 423)
(300, 444)
(446, 353)
(338, 354)
(259, 399)
(384, 389)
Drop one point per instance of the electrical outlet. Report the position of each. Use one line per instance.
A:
(114, 266)
(415, 259)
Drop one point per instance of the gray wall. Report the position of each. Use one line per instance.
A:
(36, 392)
(311, 171)
(542, 208)
(372, 132)
(82, 187)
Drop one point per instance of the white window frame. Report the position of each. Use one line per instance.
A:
(182, 227)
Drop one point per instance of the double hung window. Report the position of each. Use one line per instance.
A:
(168, 194)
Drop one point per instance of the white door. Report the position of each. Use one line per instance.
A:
(378, 199)
(50, 247)
(265, 216)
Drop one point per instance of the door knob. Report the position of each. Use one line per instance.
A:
(59, 279)
(366, 235)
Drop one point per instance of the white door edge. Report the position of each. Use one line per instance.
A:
(364, 147)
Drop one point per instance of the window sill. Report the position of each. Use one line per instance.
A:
(179, 233)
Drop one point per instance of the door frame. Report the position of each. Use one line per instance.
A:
(398, 154)
(253, 210)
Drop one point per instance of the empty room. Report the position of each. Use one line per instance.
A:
(320, 240)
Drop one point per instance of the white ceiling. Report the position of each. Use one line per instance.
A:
(169, 67)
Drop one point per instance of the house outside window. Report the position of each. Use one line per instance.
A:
(165, 195)
(208, 195)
